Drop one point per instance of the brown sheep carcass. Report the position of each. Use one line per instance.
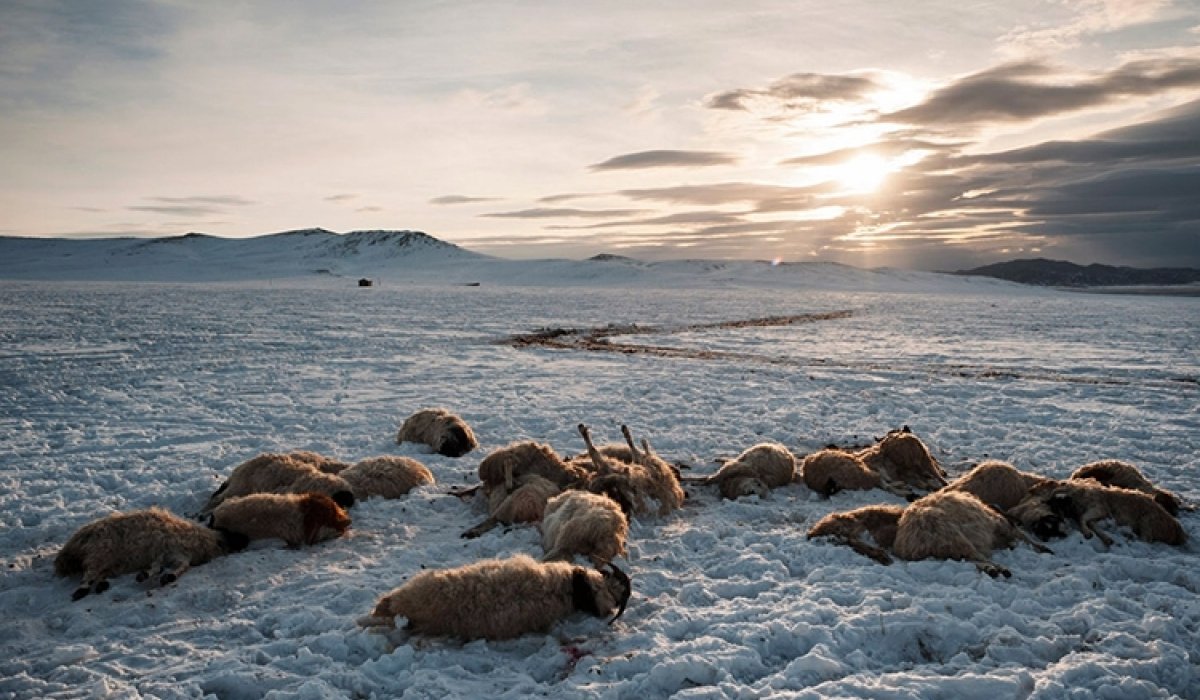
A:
(279, 473)
(1085, 502)
(1114, 472)
(755, 471)
(298, 519)
(956, 525)
(525, 503)
(996, 483)
(634, 485)
(446, 433)
(579, 522)
(501, 598)
(386, 476)
(151, 542)
(880, 521)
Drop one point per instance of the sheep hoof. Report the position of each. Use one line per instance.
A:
(141, 576)
(80, 592)
(100, 587)
(167, 579)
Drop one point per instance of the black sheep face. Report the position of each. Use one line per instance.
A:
(456, 443)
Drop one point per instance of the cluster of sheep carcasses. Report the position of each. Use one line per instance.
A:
(583, 505)
(299, 497)
(987, 507)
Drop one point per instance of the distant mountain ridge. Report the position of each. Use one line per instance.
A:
(390, 258)
(1060, 273)
(200, 256)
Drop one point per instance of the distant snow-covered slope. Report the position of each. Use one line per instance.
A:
(199, 257)
(392, 257)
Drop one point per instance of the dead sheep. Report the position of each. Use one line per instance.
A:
(386, 477)
(444, 432)
(635, 485)
(279, 473)
(901, 458)
(501, 598)
(996, 483)
(1114, 472)
(152, 542)
(848, 528)
(1085, 502)
(956, 525)
(506, 464)
(755, 471)
(329, 465)
(832, 470)
(525, 503)
(579, 522)
(298, 519)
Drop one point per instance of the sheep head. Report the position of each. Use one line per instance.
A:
(323, 518)
(745, 486)
(454, 442)
(1044, 510)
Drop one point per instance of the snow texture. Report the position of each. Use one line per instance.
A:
(124, 395)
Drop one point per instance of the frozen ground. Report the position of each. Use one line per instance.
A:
(119, 396)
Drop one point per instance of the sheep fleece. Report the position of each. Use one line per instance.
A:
(492, 599)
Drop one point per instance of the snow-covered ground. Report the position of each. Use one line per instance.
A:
(119, 396)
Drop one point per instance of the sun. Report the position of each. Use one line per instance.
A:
(861, 174)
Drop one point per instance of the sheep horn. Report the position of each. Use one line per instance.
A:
(623, 579)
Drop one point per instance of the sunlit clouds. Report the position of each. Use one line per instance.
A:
(934, 135)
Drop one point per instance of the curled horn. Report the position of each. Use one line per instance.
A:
(623, 579)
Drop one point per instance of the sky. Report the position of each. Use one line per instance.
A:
(930, 134)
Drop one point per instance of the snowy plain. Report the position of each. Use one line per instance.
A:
(120, 395)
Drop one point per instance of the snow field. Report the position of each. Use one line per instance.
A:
(121, 396)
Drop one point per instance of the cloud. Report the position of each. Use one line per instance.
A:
(798, 91)
(201, 205)
(177, 210)
(216, 200)
(1091, 17)
(1027, 90)
(339, 198)
(715, 194)
(691, 217)
(460, 199)
(885, 148)
(553, 213)
(664, 159)
(1122, 196)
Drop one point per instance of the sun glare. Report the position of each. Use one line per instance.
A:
(862, 174)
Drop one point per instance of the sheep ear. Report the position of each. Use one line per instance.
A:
(626, 589)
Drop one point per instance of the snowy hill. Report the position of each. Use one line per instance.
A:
(198, 257)
(393, 257)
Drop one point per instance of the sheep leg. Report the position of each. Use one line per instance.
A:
(601, 463)
(463, 493)
(174, 568)
(629, 440)
(869, 551)
(95, 580)
(990, 568)
(481, 528)
(1088, 527)
(1037, 546)
(901, 491)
